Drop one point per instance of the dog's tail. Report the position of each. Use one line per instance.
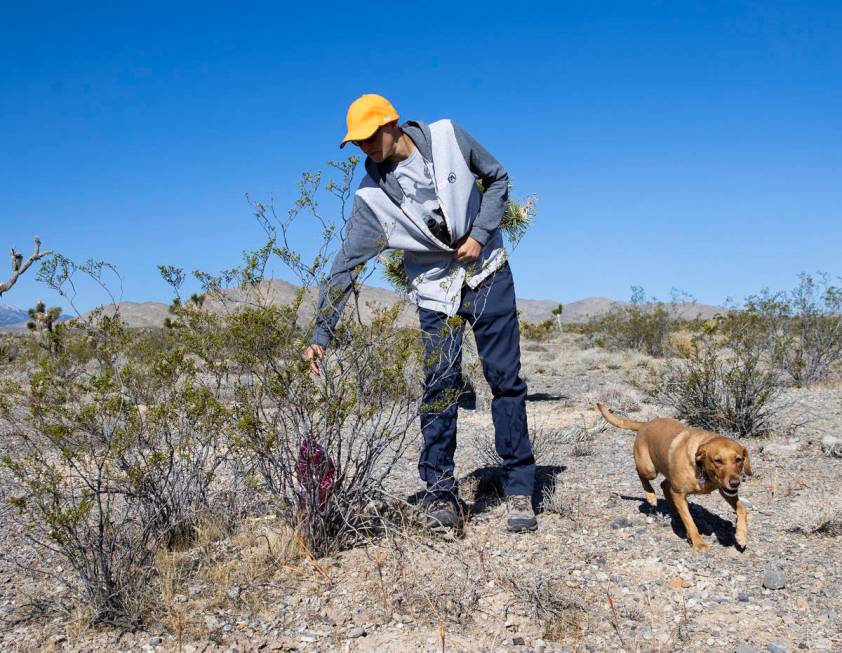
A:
(618, 421)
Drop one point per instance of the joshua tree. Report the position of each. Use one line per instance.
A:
(557, 312)
(42, 321)
(19, 266)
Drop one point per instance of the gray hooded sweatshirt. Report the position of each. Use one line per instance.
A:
(383, 218)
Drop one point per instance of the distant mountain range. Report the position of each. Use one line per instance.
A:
(10, 315)
(276, 291)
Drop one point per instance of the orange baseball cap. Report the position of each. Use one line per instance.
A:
(366, 114)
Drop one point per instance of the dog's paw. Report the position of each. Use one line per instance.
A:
(701, 547)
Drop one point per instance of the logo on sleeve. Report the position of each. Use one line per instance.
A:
(451, 178)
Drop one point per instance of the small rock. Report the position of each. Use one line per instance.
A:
(743, 598)
(774, 579)
(775, 648)
(154, 641)
(356, 632)
(620, 522)
(234, 592)
(518, 641)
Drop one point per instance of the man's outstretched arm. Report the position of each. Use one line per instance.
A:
(364, 239)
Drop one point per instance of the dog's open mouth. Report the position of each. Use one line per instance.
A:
(729, 493)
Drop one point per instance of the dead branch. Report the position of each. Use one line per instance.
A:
(19, 266)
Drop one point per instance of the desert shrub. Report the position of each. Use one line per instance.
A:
(113, 456)
(818, 514)
(538, 332)
(725, 382)
(640, 325)
(10, 350)
(320, 446)
(802, 327)
(323, 447)
(616, 396)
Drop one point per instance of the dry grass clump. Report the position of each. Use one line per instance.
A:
(551, 603)
(591, 359)
(545, 444)
(580, 437)
(820, 514)
(555, 501)
(616, 396)
(832, 446)
(432, 583)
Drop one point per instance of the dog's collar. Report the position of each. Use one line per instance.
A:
(729, 493)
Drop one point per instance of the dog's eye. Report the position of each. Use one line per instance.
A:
(718, 461)
(739, 460)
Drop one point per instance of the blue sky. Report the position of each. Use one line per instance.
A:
(687, 144)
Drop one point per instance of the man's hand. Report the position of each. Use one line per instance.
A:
(314, 353)
(467, 250)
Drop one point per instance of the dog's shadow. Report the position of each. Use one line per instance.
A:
(707, 522)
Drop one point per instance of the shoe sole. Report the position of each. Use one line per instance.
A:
(522, 529)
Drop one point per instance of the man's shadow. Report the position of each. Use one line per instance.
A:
(707, 522)
(485, 488)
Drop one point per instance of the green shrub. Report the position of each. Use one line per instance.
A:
(114, 456)
(538, 332)
(723, 383)
(641, 325)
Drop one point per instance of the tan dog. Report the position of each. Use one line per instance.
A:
(692, 461)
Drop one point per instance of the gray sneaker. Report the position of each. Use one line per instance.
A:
(442, 514)
(520, 516)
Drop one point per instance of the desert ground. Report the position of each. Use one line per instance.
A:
(604, 572)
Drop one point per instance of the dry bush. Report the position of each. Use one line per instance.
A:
(832, 446)
(556, 501)
(580, 437)
(820, 514)
(640, 325)
(616, 396)
(323, 446)
(434, 584)
(725, 384)
(550, 602)
(545, 443)
(473, 377)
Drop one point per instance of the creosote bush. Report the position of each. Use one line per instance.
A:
(722, 383)
(642, 326)
(113, 456)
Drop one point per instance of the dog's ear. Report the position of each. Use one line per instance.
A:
(701, 454)
(746, 463)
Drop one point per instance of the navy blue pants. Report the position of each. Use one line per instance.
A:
(491, 312)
